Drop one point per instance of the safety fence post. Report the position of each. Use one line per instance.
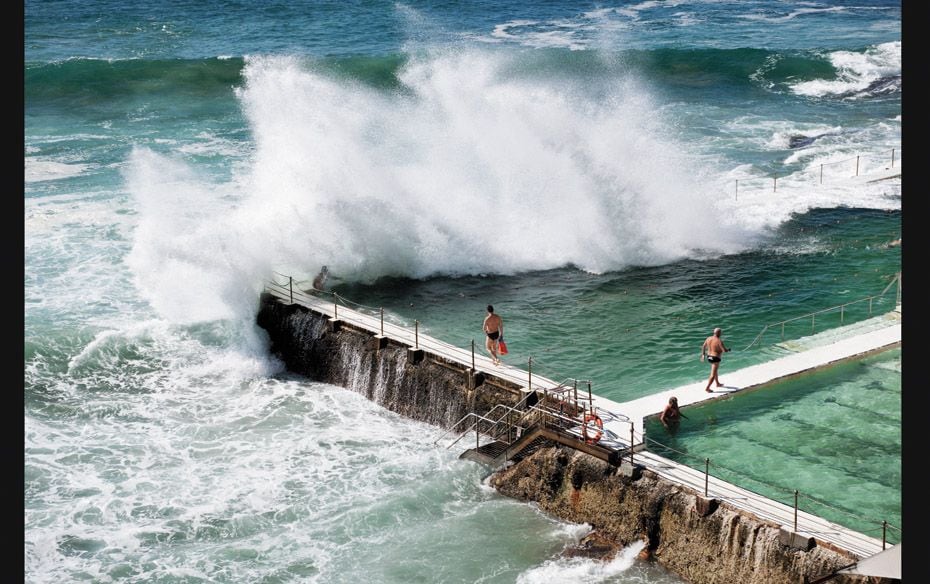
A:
(898, 295)
(631, 443)
(706, 474)
(576, 394)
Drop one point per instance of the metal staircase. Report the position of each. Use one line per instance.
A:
(511, 433)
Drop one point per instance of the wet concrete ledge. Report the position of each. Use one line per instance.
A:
(704, 541)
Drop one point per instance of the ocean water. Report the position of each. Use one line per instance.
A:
(617, 179)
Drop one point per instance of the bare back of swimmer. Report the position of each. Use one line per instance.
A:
(493, 330)
(714, 348)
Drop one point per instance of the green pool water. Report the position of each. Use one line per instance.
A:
(834, 435)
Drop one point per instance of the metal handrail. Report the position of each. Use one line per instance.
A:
(812, 315)
(608, 415)
(299, 290)
(754, 494)
(478, 418)
(486, 417)
(811, 170)
(550, 418)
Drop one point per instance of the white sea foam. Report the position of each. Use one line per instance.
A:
(212, 145)
(37, 169)
(591, 29)
(556, 34)
(634, 10)
(791, 15)
(765, 202)
(687, 19)
(582, 570)
(856, 71)
(204, 462)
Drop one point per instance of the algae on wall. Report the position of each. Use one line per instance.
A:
(703, 543)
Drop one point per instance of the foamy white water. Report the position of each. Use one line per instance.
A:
(856, 71)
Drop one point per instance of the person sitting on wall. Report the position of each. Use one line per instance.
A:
(320, 281)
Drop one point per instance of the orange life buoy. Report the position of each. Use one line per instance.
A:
(599, 428)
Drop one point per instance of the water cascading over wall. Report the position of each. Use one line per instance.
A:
(434, 390)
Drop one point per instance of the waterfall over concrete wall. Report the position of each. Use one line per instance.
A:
(434, 390)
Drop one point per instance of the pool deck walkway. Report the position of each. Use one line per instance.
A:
(741, 379)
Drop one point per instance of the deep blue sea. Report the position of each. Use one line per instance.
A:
(616, 178)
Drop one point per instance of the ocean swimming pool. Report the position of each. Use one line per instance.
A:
(834, 435)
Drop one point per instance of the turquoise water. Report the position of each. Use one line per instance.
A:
(833, 435)
(573, 164)
(639, 331)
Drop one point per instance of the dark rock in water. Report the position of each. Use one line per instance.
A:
(882, 85)
(593, 546)
(799, 141)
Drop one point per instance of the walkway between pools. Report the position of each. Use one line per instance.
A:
(880, 333)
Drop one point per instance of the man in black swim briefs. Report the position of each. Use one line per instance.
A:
(493, 328)
(713, 347)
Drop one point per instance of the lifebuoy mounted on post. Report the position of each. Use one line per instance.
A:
(598, 428)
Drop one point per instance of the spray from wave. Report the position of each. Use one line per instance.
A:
(467, 170)
(472, 163)
(464, 170)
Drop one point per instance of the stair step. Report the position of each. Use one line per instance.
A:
(492, 449)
